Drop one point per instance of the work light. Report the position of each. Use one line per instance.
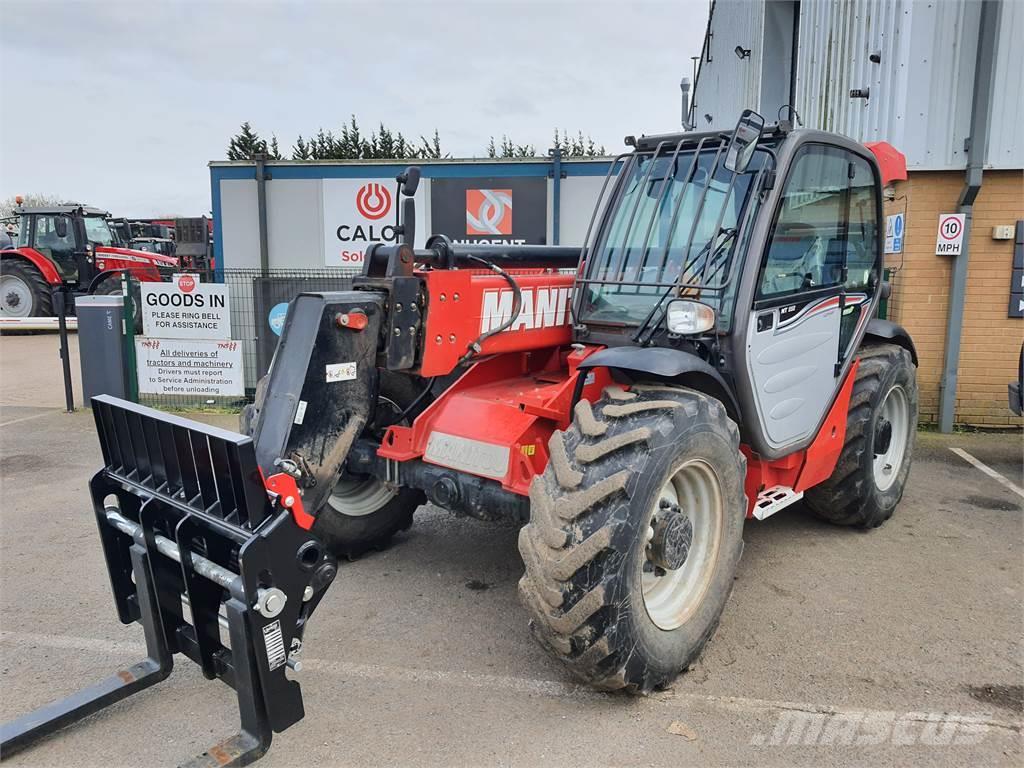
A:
(686, 317)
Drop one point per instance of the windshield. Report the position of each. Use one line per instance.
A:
(97, 231)
(675, 222)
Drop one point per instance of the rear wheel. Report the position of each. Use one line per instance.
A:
(23, 290)
(881, 425)
(635, 533)
(363, 513)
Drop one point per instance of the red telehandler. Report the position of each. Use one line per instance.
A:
(710, 356)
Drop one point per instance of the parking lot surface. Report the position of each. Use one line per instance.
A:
(910, 635)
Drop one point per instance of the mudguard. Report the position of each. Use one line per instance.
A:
(672, 365)
(886, 330)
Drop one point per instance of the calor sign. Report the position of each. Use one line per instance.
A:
(359, 212)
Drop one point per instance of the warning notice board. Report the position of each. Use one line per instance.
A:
(184, 308)
(208, 367)
(187, 348)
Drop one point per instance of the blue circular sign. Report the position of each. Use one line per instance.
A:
(898, 225)
(276, 317)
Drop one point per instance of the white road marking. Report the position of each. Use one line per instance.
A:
(988, 471)
(743, 705)
(29, 418)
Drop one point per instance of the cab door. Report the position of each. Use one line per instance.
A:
(813, 290)
(54, 237)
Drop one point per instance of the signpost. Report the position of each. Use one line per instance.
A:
(500, 211)
(185, 309)
(950, 238)
(358, 212)
(210, 368)
(186, 349)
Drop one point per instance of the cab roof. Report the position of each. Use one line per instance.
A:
(57, 210)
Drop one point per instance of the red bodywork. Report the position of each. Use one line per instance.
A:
(521, 390)
(142, 265)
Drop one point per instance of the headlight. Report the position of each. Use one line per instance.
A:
(687, 317)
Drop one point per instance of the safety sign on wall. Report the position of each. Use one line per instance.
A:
(185, 309)
(950, 239)
(894, 227)
(207, 367)
(358, 212)
(500, 211)
(186, 346)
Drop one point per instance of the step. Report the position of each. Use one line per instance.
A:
(771, 500)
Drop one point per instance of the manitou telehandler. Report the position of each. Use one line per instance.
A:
(710, 355)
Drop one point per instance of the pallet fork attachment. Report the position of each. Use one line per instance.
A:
(196, 545)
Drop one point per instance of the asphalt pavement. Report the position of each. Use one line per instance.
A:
(900, 646)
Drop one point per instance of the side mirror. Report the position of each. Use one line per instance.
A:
(410, 180)
(744, 141)
(60, 226)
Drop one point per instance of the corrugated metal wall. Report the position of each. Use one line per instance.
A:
(921, 87)
(727, 84)
(836, 41)
(1006, 139)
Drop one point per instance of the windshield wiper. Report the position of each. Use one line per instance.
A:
(730, 234)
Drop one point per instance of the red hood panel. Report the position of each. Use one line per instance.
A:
(155, 258)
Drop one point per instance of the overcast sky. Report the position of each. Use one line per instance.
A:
(121, 105)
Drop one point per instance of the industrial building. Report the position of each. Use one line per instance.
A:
(942, 82)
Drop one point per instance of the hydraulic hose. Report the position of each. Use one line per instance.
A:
(517, 304)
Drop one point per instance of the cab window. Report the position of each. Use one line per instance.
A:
(826, 226)
(97, 231)
(60, 248)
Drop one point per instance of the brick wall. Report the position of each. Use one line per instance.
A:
(991, 341)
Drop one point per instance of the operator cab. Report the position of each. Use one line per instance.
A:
(67, 235)
(757, 251)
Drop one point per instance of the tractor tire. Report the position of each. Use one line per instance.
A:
(635, 533)
(112, 287)
(362, 514)
(24, 291)
(881, 425)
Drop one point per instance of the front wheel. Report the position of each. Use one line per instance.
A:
(868, 480)
(635, 532)
(362, 513)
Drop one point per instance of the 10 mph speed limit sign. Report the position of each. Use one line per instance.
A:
(950, 240)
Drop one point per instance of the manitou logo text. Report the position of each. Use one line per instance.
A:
(542, 308)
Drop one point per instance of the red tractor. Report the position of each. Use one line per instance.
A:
(710, 357)
(73, 246)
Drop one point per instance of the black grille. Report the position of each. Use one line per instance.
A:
(212, 471)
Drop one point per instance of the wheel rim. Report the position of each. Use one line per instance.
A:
(15, 296)
(671, 596)
(361, 496)
(895, 412)
(358, 498)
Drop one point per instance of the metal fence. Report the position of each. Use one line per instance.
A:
(258, 300)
